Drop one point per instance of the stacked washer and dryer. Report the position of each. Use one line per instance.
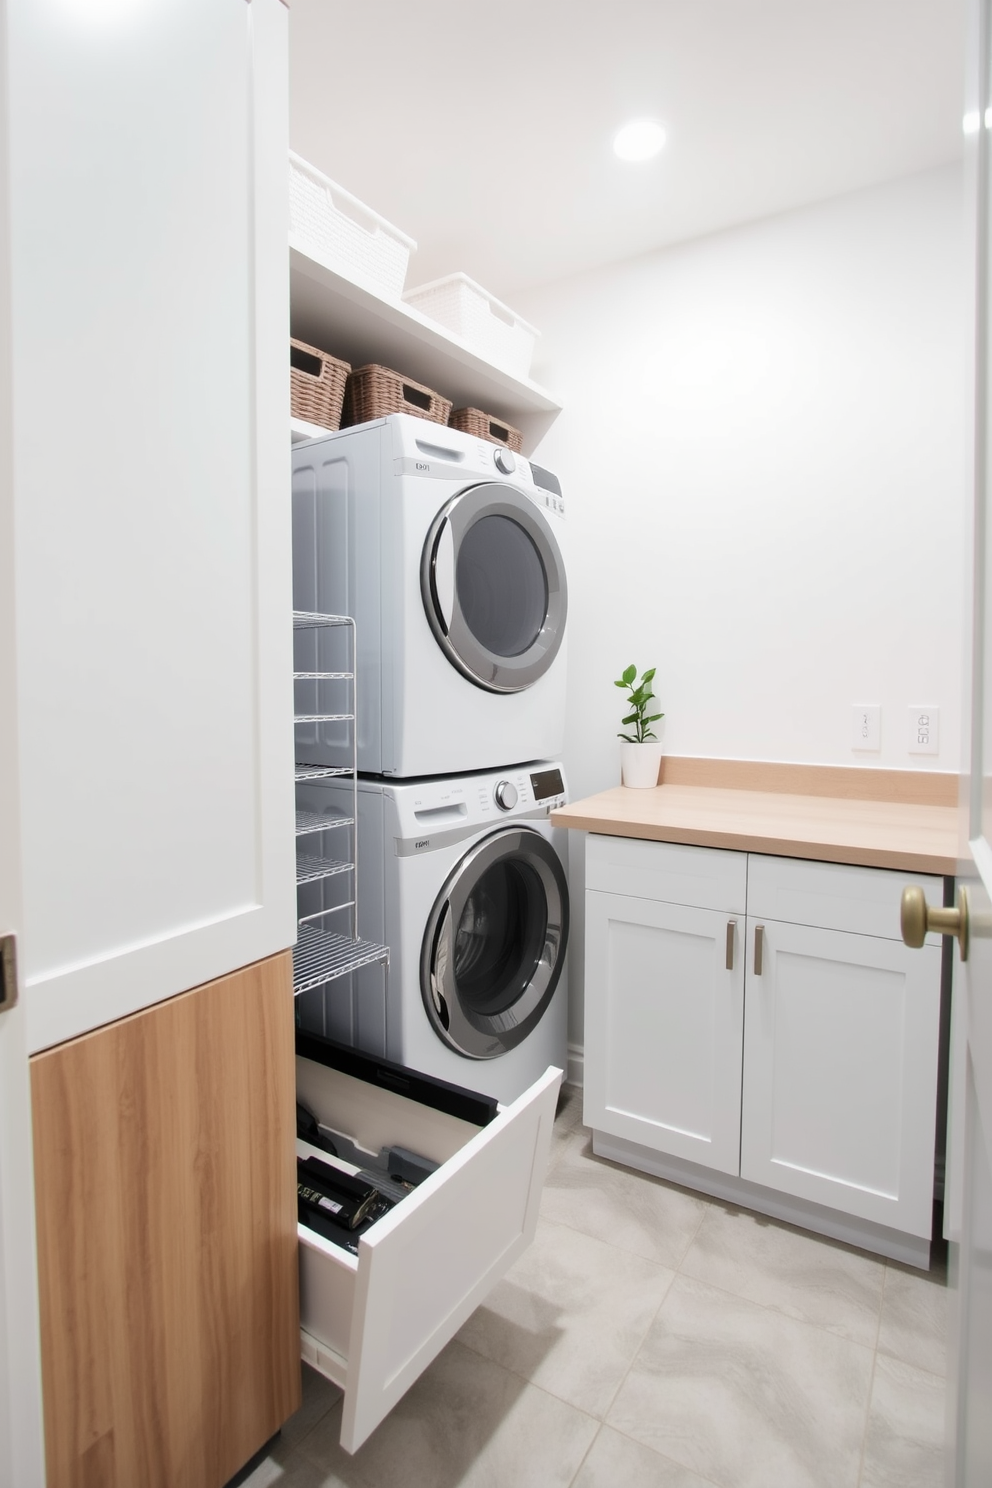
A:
(448, 552)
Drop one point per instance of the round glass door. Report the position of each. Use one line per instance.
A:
(493, 585)
(494, 945)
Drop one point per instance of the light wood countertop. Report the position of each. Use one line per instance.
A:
(845, 825)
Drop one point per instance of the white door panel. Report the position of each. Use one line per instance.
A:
(151, 476)
(840, 1073)
(21, 1438)
(664, 1012)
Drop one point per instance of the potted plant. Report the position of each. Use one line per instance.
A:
(640, 750)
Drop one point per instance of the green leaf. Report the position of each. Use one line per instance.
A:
(631, 718)
(628, 676)
(654, 718)
(648, 676)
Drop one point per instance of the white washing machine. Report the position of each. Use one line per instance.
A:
(461, 877)
(448, 552)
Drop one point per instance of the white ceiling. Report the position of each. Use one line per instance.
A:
(484, 130)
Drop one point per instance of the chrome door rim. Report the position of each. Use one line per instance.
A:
(470, 1033)
(494, 673)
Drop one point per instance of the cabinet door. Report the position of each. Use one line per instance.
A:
(664, 1016)
(840, 1072)
(151, 481)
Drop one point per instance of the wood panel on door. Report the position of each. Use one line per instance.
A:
(166, 1203)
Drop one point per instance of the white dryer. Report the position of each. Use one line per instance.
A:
(462, 879)
(448, 553)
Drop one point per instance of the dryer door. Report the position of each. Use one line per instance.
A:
(495, 942)
(493, 584)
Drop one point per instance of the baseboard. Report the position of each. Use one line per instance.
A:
(911, 1250)
(575, 1072)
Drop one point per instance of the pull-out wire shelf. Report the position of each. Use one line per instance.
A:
(308, 822)
(321, 955)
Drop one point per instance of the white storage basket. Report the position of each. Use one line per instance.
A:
(348, 236)
(489, 327)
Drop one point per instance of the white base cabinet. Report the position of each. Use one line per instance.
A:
(373, 1322)
(760, 1018)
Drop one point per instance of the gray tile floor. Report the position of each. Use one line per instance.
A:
(653, 1338)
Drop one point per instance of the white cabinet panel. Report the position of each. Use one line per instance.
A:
(663, 1027)
(702, 876)
(840, 1073)
(151, 473)
(835, 896)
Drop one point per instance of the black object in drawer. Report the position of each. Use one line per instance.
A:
(453, 1100)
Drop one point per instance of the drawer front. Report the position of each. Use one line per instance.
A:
(706, 877)
(424, 1268)
(833, 896)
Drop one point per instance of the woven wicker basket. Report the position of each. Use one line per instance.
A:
(316, 385)
(374, 391)
(484, 426)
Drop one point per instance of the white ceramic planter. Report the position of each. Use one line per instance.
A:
(640, 763)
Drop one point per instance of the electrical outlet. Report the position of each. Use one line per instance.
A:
(924, 730)
(866, 721)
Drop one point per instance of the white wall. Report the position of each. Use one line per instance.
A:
(763, 457)
(762, 452)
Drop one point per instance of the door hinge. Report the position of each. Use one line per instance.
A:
(8, 973)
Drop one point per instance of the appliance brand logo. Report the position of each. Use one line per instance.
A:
(423, 465)
(424, 842)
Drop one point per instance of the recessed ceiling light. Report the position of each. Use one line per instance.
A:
(640, 140)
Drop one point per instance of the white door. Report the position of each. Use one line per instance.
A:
(664, 1024)
(21, 1451)
(971, 1426)
(841, 1121)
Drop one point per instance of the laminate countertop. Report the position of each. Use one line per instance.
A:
(876, 818)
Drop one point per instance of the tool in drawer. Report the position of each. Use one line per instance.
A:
(333, 1194)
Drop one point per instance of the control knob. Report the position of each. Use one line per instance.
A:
(505, 795)
(504, 461)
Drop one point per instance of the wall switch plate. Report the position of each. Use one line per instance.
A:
(924, 730)
(866, 720)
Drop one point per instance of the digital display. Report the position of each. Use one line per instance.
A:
(547, 783)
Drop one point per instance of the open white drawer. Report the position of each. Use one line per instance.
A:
(373, 1322)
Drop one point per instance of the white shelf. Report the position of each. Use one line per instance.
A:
(348, 321)
(300, 431)
(320, 957)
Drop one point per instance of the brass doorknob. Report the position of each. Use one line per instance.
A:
(917, 917)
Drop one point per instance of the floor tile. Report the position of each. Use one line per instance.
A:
(284, 1471)
(568, 1120)
(466, 1423)
(318, 1397)
(745, 1396)
(570, 1315)
(632, 1211)
(904, 1444)
(614, 1461)
(805, 1276)
(914, 1317)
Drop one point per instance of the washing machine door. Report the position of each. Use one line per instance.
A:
(493, 584)
(495, 942)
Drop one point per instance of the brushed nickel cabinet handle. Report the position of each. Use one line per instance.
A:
(759, 945)
(731, 931)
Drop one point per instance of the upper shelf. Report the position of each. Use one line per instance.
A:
(348, 321)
